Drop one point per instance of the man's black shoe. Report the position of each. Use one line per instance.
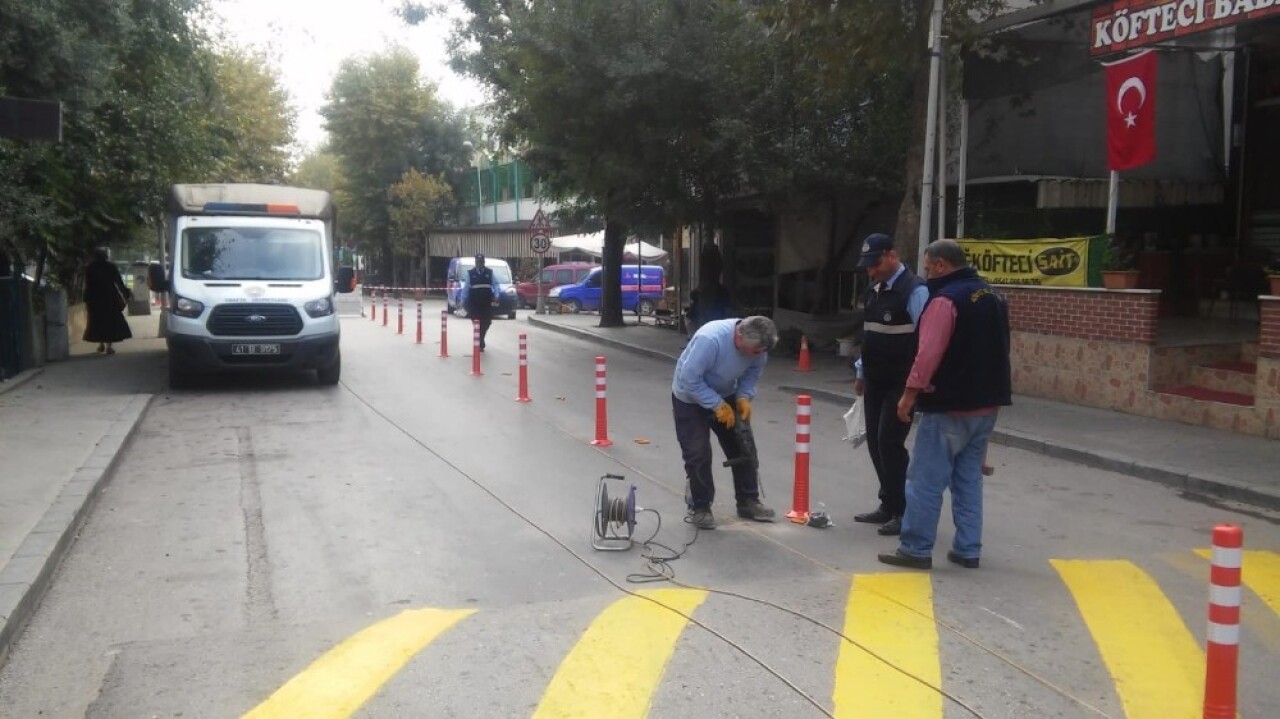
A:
(752, 509)
(880, 516)
(702, 519)
(899, 559)
(966, 562)
(891, 528)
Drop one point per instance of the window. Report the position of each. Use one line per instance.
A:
(564, 277)
(252, 253)
(548, 276)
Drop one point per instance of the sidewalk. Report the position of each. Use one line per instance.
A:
(1197, 460)
(62, 427)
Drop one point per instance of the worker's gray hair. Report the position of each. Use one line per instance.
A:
(758, 332)
(949, 251)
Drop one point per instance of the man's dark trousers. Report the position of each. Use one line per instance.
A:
(886, 442)
(692, 425)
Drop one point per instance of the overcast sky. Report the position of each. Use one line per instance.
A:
(308, 39)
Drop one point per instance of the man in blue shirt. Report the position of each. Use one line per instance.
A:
(717, 371)
(890, 313)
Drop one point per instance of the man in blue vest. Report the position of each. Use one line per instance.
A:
(960, 379)
(891, 312)
(716, 372)
(477, 296)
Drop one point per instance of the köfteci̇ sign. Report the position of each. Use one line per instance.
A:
(1126, 24)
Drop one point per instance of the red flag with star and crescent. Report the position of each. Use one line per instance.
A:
(1131, 111)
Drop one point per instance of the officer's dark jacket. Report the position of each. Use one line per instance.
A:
(975, 371)
(479, 290)
(889, 333)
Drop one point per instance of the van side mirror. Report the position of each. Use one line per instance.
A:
(346, 280)
(156, 281)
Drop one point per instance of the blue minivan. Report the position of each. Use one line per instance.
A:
(639, 296)
(504, 294)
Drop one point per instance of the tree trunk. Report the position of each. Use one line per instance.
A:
(907, 233)
(615, 239)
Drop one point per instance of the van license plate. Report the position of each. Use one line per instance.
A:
(255, 349)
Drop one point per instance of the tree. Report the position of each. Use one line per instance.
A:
(384, 120)
(416, 204)
(254, 123)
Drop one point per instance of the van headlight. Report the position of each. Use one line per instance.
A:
(184, 307)
(555, 292)
(319, 308)
(509, 291)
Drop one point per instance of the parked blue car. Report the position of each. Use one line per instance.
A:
(639, 296)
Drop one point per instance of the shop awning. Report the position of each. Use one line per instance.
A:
(592, 243)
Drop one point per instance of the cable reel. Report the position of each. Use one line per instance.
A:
(615, 517)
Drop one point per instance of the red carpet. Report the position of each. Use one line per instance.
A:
(1210, 395)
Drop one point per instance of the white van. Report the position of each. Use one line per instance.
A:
(251, 281)
(504, 292)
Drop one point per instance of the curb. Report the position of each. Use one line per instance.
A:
(26, 577)
(19, 379)
(583, 334)
(1191, 483)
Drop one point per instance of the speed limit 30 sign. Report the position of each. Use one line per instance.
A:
(539, 242)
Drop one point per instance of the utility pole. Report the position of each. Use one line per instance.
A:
(930, 133)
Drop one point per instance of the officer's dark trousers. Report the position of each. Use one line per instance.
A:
(693, 427)
(485, 319)
(886, 442)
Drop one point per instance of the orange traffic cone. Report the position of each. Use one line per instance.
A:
(803, 365)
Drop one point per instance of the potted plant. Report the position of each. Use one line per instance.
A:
(1273, 274)
(1118, 271)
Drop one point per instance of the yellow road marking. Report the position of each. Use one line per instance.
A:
(345, 677)
(1157, 665)
(1260, 572)
(616, 666)
(891, 615)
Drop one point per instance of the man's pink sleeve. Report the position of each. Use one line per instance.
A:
(936, 325)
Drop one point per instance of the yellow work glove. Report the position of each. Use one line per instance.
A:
(724, 415)
(744, 408)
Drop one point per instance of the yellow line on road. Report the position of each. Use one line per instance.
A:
(1156, 663)
(891, 615)
(338, 683)
(616, 666)
(1260, 571)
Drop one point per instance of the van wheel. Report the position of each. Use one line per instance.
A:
(330, 375)
(644, 307)
(511, 315)
(574, 306)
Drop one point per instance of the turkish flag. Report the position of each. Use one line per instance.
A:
(1131, 111)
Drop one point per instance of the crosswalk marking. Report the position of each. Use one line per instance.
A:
(617, 665)
(1260, 573)
(345, 677)
(892, 616)
(1157, 665)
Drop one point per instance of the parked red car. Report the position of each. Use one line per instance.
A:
(568, 273)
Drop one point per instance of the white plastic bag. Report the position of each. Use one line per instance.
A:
(855, 428)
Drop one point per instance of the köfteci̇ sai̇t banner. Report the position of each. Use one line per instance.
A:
(1055, 262)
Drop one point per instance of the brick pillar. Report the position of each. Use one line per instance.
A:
(1267, 390)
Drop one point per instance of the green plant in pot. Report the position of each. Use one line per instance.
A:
(1119, 270)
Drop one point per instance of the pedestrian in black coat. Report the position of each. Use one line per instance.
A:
(105, 297)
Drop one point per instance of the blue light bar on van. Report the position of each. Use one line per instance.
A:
(242, 208)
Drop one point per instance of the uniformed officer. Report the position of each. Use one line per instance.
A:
(477, 296)
(890, 313)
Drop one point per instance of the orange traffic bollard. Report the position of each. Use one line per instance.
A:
(1222, 650)
(602, 408)
(523, 395)
(475, 348)
(418, 339)
(800, 492)
(400, 315)
(444, 333)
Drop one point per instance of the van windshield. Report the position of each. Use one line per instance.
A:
(252, 253)
(501, 273)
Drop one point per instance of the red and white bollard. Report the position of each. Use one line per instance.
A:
(602, 409)
(444, 333)
(523, 395)
(418, 339)
(475, 348)
(1222, 652)
(400, 315)
(385, 313)
(800, 492)
(373, 304)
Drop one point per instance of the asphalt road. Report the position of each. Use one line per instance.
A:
(415, 543)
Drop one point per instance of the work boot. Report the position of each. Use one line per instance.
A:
(752, 509)
(966, 562)
(702, 519)
(880, 516)
(900, 558)
(891, 528)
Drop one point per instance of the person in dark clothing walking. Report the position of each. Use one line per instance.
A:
(478, 296)
(891, 312)
(960, 379)
(105, 298)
